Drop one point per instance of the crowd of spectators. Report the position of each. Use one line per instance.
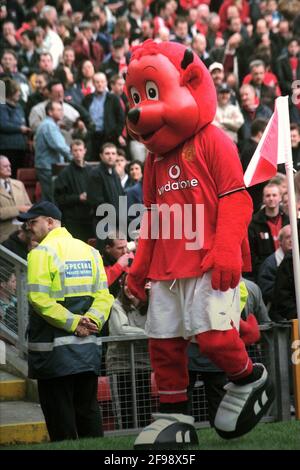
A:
(62, 62)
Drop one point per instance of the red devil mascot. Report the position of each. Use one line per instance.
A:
(193, 244)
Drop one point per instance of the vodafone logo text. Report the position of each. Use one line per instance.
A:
(174, 173)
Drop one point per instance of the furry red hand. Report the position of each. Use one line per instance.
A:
(225, 258)
(249, 330)
(137, 287)
(226, 269)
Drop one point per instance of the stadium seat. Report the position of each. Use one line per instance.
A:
(58, 167)
(37, 192)
(104, 398)
(103, 389)
(29, 179)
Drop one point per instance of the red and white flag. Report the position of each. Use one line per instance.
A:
(273, 148)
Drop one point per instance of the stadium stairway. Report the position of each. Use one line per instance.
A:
(21, 421)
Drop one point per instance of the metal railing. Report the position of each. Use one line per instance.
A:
(13, 299)
(121, 406)
(127, 392)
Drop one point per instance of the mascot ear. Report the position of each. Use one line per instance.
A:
(192, 73)
(192, 76)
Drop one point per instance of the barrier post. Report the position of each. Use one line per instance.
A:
(296, 366)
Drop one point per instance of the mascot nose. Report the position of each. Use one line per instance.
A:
(134, 115)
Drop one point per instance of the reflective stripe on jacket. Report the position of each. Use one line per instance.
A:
(66, 279)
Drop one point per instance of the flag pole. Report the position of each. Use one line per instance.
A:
(284, 118)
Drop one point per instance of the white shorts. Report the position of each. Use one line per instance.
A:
(186, 307)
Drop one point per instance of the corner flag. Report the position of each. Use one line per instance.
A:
(272, 146)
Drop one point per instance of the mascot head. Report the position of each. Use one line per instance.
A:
(171, 95)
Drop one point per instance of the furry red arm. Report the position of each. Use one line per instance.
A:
(225, 258)
(138, 272)
(140, 267)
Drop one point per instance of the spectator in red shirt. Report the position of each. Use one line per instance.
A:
(201, 24)
(164, 16)
(116, 260)
(29, 24)
(85, 47)
(225, 11)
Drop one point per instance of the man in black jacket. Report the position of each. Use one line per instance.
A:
(107, 115)
(28, 58)
(265, 226)
(105, 188)
(266, 94)
(284, 306)
(288, 67)
(116, 63)
(70, 193)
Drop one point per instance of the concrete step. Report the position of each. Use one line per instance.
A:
(11, 387)
(21, 422)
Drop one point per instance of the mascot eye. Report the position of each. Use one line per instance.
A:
(151, 91)
(135, 95)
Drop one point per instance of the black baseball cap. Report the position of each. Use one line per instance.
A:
(224, 88)
(45, 208)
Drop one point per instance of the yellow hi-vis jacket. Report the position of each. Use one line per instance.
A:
(66, 279)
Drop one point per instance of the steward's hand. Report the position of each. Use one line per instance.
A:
(81, 331)
(86, 327)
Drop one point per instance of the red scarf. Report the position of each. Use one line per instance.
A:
(275, 224)
(294, 65)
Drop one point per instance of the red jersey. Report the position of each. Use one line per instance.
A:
(192, 177)
(270, 79)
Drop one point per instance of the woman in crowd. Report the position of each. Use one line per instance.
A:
(86, 76)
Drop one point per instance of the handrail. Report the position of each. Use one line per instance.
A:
(15, 332)
(10, 255)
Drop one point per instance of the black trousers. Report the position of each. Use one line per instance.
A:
(214, 391)
(70, 406)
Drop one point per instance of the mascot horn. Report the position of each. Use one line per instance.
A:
(198, 209)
